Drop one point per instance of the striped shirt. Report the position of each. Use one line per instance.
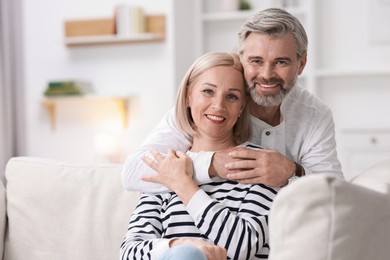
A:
(224, 212)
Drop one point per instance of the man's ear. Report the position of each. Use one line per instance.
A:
(302, 64)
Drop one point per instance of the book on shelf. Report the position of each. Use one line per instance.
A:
(129, 20)
(67, 88)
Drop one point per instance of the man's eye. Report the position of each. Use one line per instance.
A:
(255, 61)
(281, 62)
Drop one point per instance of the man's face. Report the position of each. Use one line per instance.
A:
(271, 67)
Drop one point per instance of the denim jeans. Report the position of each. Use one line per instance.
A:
(187, 252)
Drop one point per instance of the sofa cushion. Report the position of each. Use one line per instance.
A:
(322, 217)
(59, 210)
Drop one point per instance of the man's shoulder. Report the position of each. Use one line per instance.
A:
(302, 100)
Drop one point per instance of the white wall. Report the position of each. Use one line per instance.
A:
(145, 71)
(354, 82)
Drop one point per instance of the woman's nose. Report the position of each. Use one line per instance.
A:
(218, 103)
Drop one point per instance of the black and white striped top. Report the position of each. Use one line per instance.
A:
(226, 213)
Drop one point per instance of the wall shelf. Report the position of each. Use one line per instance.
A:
(51, 103)
(102, 32)
(112, 39)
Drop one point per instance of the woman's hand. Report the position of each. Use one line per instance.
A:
(175, 171)
(213, 252)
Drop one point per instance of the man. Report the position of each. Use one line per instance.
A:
(294, 127)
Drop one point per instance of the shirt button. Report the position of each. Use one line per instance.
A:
(267, 133)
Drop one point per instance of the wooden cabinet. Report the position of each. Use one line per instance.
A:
(361, 148)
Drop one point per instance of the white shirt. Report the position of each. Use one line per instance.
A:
(305, 135)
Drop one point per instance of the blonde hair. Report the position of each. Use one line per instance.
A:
(241, 130)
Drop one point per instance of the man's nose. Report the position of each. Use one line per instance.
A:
(267, 71)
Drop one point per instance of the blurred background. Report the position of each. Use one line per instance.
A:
(79, 84)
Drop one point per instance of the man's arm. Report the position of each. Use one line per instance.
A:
(316, 155)
(320, 154)
(250, 166)
(163, 137)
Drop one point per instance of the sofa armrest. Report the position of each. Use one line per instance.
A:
(322, 217)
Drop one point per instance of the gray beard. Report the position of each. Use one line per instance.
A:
(271, 100)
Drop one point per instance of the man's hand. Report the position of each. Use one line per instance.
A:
(212, 251)
(253, 166)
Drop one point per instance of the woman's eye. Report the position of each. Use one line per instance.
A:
(208, 91)
(232, 97)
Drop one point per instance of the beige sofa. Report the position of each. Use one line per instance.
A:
(57, 210)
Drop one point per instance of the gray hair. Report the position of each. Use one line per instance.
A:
(275, 22)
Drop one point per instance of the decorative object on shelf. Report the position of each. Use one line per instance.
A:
(68, 88)
(245, 5)
(289, 3)
(229, 5)
(129, 20)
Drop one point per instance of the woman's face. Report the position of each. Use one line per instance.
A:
(216, 100)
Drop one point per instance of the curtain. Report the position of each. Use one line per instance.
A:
(11, 91)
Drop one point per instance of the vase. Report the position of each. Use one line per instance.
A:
(229, 5)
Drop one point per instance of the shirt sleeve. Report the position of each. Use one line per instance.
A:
(163, 137)
(201, 162)
(322, 155)
(143, 239)
(243, 233)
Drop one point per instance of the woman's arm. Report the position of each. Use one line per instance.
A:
(236, 221)
(243, 231)
(143, 237)
(163, 137)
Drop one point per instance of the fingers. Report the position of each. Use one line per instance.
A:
(242, 165)
(180, 154)
(214, 252)
(157, 156)
(245, 153)
(150, 162)
(248, 176)
(151, 178)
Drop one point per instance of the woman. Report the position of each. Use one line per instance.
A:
(214, 219)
